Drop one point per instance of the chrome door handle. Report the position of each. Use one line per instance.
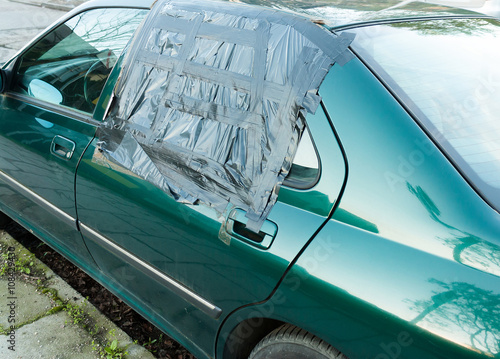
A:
(235, 226)
(62, 147)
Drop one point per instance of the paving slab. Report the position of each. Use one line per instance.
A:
(27, 304)
(50, 337)
(44, 326)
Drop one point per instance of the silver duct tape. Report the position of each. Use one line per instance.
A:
(211, 101)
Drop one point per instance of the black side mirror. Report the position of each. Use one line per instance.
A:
(4, 79)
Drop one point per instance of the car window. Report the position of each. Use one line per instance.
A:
(446, 72)
(304, 172)
(70, 65)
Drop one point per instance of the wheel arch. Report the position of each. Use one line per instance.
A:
(244, 336)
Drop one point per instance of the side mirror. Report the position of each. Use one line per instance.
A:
(44, 91)
(2, 80)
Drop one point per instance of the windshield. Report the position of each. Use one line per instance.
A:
(448, 74)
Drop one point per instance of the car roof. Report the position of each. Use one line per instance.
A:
(141, 4)
(335, 14)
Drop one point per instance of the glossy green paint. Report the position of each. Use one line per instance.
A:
(320, 198)
(107, 92)
(355, 325)
(416, 275)
(183, 241)
(405, 170)
(418, 202)
(27, 132)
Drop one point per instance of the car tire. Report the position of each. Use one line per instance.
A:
(4, 220)
(291, 342)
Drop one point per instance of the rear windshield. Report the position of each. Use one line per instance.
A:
(448, 74)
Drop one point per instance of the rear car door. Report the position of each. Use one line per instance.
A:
(184, 266)
(46, 120)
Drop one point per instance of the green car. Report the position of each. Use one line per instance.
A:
(270, 180)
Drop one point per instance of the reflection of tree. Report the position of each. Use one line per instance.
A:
(361, 5)
(350, 218)
(426, 201)
(463, 305)
(467, 248)
(106, 29)
(86, 34)
(471, 27)
(459, 305)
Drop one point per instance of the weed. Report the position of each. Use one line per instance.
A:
(113, 352)
(149, 344)
(94, 331)
(76, 312)
(110, 349)
(22, 264)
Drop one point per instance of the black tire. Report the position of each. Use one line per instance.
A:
(4, 220)
(290, 342)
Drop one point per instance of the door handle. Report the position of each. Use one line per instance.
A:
(235, 226)
(62, 147)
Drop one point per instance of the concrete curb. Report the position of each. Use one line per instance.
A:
(49, 318)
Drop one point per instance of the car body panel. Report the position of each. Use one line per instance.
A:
(442, 217)
(183, 241)
(361, 328)
(422, 280)
(27, 136)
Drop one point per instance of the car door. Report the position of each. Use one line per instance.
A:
(46, 120)
(184, 266)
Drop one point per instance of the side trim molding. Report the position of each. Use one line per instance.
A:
(181, 290)
(60, 110)
(63, 216)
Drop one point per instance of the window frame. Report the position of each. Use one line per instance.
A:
(297, 183)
